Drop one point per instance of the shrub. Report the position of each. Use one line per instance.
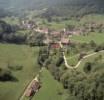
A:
(15, 68)
(87, 67)
(6, 75)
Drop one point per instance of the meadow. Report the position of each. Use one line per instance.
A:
(14, 55)
(27, 57)
(91, 59)
(96, 37)
(51, 89)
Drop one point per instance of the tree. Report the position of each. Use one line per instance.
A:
(36, 39)
(59, 61)
(92, 44)
(6, 75)
(43, 56)
(81, 55)
(99, 48)
(99, 58)
(87, 67)
(70, 27)
(85, 87)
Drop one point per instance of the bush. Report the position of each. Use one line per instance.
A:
(99, 48)
(81, 56)
(60, 61)
(92, 44)
(87, 67)
(15, 68)
(6, 75)
(13, 38)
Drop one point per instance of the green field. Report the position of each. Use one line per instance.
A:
(73, 60)
(50, 88)
(17, 55)
(97, 18)
(57, 25)
(90, 59)
(97, 37)
(11, 20)
(61, 24)
(26, 56)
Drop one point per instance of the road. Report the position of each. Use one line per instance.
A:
(77, 65)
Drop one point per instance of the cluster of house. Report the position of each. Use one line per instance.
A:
(28, 24)
(52, 36)
(42, 30)
(32, 25)
(64, 31)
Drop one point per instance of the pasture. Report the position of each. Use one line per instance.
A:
(96, 37)
(51, 89)
(15, 55)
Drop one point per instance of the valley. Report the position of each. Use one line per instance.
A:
(51, 50)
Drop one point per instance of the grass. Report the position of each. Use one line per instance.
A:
(97, 18)
(97, 37)
(17, 55)
(90, 59)
(59, 25)
(50, 88)
(11, 20)
(23, 32)
(73, 60)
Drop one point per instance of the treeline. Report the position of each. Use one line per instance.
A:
(86, 85)
(8, 33)
(4, 13)
(73, 8)
(76, 8)
(35, 39)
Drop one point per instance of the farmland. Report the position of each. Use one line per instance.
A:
(50, 88)
(63, 54)
(97, 37)
(17, 55)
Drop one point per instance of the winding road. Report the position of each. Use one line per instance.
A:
(77, 65)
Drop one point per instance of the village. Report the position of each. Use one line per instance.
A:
(53, 37)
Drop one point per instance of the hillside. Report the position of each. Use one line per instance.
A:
(66, 7)
(51, 50)
(17, 55)
(77, 7)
